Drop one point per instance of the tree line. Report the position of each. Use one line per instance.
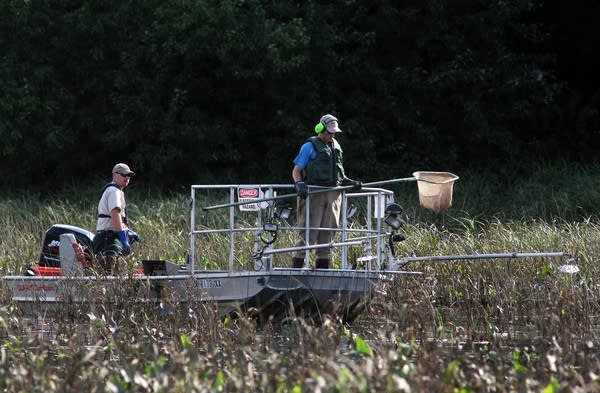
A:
(195, 91)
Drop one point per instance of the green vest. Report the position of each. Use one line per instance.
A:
(327, 168)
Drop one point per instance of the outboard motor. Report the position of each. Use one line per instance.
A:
(50, 256)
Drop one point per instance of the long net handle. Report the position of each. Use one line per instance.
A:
(382, 182)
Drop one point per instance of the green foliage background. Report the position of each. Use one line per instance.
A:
(226, 91)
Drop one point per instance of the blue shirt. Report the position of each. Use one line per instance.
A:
(307, 153)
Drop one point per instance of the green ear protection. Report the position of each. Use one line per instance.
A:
(319, 128)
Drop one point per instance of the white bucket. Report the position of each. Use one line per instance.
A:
(435, 189)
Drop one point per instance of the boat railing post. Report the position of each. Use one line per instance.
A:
(307, 229)
(369, 223)
(344, 219)
(191, 262)
(259, 263)
(379, 243)
(267, 261)
(231, 234)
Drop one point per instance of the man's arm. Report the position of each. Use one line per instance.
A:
(296, 174)
(301, 187)
(115, 216)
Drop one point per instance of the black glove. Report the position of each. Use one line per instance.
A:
(301, 189)
(356, 184)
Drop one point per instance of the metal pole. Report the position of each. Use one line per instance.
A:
(192, 254)
(512, 255)
(382, 182)
(318, 191)
(312, 247)
(231, 232)
(306, 229)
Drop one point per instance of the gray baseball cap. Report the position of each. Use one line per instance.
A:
(331, 123)
(123, 169)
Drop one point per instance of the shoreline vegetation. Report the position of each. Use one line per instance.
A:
(493, 326)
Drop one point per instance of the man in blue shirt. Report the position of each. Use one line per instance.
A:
(320, 163)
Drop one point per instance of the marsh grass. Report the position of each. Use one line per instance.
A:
(475, 326)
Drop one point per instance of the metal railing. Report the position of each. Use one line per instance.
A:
(361, 222)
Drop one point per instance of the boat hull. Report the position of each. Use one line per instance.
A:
(273, 295)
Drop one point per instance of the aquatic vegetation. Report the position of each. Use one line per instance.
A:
(484, 326)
